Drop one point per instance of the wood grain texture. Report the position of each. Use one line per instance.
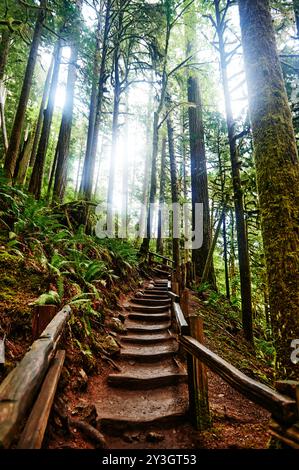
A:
(282, 407)
(19, 388)
(34, 431)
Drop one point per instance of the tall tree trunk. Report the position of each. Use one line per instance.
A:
(23, 159)
(95, 113)
(40, 117)
(147, 164)
(162, 195)
(296, 12)
(153, 187)
(206, 270)
(199, 177)
(226, 275)
(222, 175)
(2, 116)
(53, 171)
(277, 170)
(4, 49)
(63, 144)
(232, 256)
(125, 187)
(174, 196)
(153, 182)
(15, 137)
(35, 184)
(114, 137)
(243, 256)
(79, 168)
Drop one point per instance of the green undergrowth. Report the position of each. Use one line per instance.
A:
(46, 258)
(224, 335)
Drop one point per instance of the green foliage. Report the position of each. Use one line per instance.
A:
(89, 262)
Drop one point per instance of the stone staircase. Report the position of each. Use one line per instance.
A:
(151, 387)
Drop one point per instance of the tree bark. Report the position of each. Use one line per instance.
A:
(153, 184)
(95, 113)
(226, 275)
(174, 195)
(243, 256)
(147, 164)
(125, 178)
(4, 49)
(23, 160)
(114, 137)
(162, 195)
(199, 177)
(296, 12)
(2, 116)
(40, 118)
(63, 144)
(35, 184)
(277, 170)
(15, 137)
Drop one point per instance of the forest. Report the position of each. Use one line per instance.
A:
(149, 224)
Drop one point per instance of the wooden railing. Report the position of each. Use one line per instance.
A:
(284, 409)
(34, 378)
(168, 261)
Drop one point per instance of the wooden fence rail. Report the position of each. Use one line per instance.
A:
(164, 258)
(284, 409)
(18, 390)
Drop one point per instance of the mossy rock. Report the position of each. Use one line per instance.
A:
(109, 345)
(116, 325)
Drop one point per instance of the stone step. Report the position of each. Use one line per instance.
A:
(121, 411)
(147, 295)
(144, 376)
(148, 309)
(161, 282)
(160, 272)
(147, 338)
(149, 317)
(151, 302)
(146, 327)
(149, 353)
(155, 291)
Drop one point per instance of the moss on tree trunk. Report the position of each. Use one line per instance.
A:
(277, 174)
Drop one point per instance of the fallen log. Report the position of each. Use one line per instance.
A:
(19, 388)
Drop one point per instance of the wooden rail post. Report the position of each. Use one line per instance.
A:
(42, 315)
(185, 302)
(199, 390)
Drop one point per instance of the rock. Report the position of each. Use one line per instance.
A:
(138, 294)
(127, 438)
(154, 437)
(150, 286)
(82, 380)
(116, 325)
(110, 345)
(86, 412)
